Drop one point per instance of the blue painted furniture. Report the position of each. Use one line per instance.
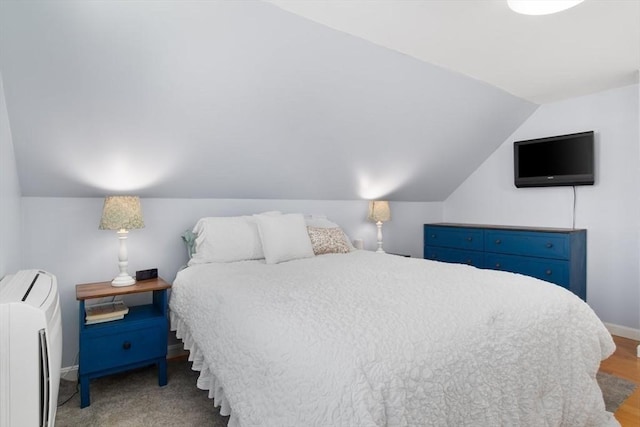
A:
(140, 339)
(557, 255)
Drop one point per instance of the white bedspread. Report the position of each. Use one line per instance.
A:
(365, 339)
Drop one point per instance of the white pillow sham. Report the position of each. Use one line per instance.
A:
(226, 239)
(283, 237)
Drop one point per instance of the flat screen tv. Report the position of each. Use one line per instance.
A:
(556, 160)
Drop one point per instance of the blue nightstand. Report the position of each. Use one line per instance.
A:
(140, 339)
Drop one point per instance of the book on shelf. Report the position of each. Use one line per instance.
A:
(105, 312)
(108, 319)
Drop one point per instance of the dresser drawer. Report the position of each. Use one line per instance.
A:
(542, 245)
(459, 238)
(550, 270)
(556, 255)
(454, 255)
(121, 348)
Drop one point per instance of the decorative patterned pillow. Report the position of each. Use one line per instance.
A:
(328, 240)
(321, 221)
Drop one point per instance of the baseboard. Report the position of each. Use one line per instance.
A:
(623, 331)
(70, 373)
(176, 350)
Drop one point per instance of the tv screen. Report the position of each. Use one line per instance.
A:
(557, 160)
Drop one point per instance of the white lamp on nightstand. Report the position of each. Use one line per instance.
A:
(379, 212)
(122, 213)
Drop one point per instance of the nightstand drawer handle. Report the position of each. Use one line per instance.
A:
(469, 239)
(497, 265)
(126, 345)
(498, 241)
(548, 272)
(549, 245)
(469, 262)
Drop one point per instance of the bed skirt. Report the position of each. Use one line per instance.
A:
(207, 380)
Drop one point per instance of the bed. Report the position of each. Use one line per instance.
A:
(358, 338)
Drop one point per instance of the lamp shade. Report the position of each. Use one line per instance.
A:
(121, 213)
(379, 211)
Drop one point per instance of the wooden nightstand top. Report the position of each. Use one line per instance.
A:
(104, 289)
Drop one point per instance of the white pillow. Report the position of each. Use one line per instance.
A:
(284, 237)
(226, 239)
(319, 222)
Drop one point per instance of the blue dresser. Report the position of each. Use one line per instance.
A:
(557, 255)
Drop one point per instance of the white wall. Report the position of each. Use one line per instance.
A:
(61, 235)
(9, 196)
(609, 210)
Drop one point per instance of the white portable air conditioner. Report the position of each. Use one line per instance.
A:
(30, 349)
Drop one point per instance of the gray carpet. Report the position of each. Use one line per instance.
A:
(134, 399)
(615, 390)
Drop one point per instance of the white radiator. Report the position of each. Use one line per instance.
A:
(30, 349)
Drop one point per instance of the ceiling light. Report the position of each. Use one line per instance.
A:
(541, 7)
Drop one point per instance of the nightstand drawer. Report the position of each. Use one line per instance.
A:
(543, 245)
(550, 270)
(454, 255)
(459, 238)
(122, 348)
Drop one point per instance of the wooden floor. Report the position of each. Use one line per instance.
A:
(625, 364)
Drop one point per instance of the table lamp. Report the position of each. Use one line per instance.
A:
(122, 213)
(379, 212)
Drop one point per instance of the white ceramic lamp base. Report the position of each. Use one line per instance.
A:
(380, 250)
(123, 279)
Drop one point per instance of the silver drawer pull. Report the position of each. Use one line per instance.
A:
(126, 345)
(433, 236)
(498, 241)
(548, 272)
(469, 261)
(497, 265)
(469, 239)
(549, 245)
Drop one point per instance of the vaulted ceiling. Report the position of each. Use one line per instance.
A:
(591, 47)
(237, 99)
